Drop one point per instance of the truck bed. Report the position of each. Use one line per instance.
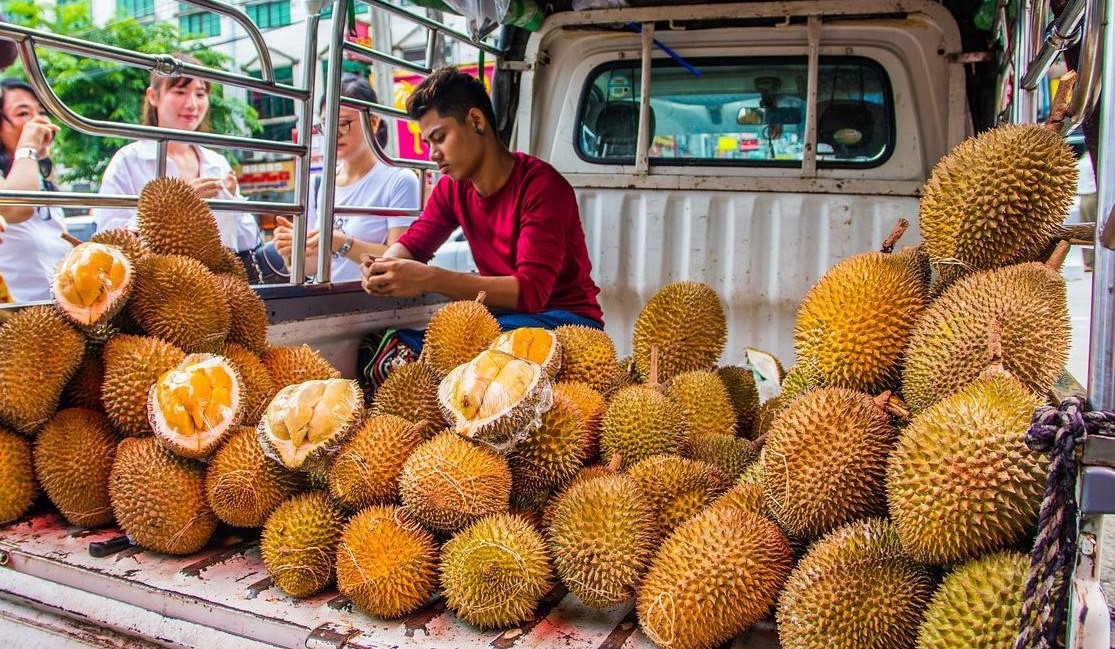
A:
(53, 593)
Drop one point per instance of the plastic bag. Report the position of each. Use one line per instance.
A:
(484, 16)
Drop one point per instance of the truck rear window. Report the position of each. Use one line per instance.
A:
(747, 112)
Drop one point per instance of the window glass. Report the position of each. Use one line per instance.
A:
(739, 112)
(136, 8)
(269, 14)
(198, 24)
(276, 113)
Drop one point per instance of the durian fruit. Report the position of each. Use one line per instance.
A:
(132, 365)
(768, 414)
(961, 481)
(533, 344)
(588, 356)
(73, 458)
(127, 241)
(591, 405)
(676, 488)
(449, 482)
(249, 322)
(495, 398)
(84, 388)
(457, 333)
(730, 455)
(977, 605)
(365, 471)
(948, 347)
(91, 283)
(743, 394)
(996, 199)
(177, 299)
(17, 476)
(243, 486)
(804, 377)
(703, 400)
(256, 388)
(713, 578)
(290, 365)
(174, 220)
(824, 462)
(601, 531)
(746, 494)
(306, 422)
(640, 422)
(410, 392)
(193, 407)
(39, 352)
(551, 454)
(855, 321)
(230, 266)
(299, 543)
(855, 588)
(158, 498)
(495, 571)
(686, 321)
(386, 563)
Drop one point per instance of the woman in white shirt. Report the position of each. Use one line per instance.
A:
(31, 242)
(180, 103)
(361, 181)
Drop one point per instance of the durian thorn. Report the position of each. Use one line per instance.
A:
(1060, 106)
(1058, 257)
(481, 296)
(895, 235)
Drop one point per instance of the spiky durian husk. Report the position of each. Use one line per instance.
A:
(640, 422)
(743, 394)
(174, 220)
(299, 543)
(588, 356)
(590, 404)
(132, 365)
(158, 498)
(177, 299)
(365, 471)
(677, 488)
(84, 387)
(824, 462)
(746, 494)
(386, 563)
(978, 604)
(855, 588)
(456, 334)
(124, 239)
(256, 386)
(410, 392)
(686, 322)
(495, 571)
(290, 365)
(855, 321)
(249, 321)
(801, 378)
(961, 481)
(601, 532)
(997, 199)
(948, 347)
(243, 486)
(17, 476)
(551, 454)
(230, 266)
(39, 352)
(704, 401)
(73, 459)
(714, 577)
(730, 455)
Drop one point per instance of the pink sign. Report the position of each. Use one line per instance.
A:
(410, 139)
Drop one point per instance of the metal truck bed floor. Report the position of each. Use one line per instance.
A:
(223, 594)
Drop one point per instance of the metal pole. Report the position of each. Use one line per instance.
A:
(1022, 105)
(305, 126)
(812, 83)
(329, 165)
(642, 159)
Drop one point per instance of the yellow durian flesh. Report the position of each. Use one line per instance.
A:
(532, 344)
(192, 407)
(91, 282)
(307, 421)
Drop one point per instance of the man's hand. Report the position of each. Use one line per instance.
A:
(388, 276)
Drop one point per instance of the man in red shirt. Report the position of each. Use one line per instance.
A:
(518, 214)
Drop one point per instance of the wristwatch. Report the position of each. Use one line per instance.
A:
(343, 250)
(28, 152)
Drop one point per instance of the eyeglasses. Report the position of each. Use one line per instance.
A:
(343, 127)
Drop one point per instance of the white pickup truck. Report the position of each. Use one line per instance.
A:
(749, 146)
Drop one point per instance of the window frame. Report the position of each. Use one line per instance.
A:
(189, 12)
(252, 9)
(836, 60)
(128, 6)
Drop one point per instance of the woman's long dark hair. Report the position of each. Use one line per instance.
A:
(149, 115)
(46, 166)
(357, 87)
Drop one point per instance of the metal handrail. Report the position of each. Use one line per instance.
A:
(433, 25)
(267, 71)
(1059, 36)
(1090, 68)
(81, 199)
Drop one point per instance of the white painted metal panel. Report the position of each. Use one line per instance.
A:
(760, 251)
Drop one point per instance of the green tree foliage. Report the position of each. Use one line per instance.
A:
(106, 90)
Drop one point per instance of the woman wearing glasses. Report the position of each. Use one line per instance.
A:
(31, 242)
(361, 181)
(179, 103)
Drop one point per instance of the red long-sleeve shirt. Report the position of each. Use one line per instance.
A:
(530, 228)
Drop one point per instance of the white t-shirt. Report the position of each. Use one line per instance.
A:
(383, 186)
(29, 252)
(135, 165)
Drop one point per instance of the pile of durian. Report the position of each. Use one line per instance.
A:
(878, 494)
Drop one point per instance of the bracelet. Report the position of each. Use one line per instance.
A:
(28, 152)
(345, 247)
